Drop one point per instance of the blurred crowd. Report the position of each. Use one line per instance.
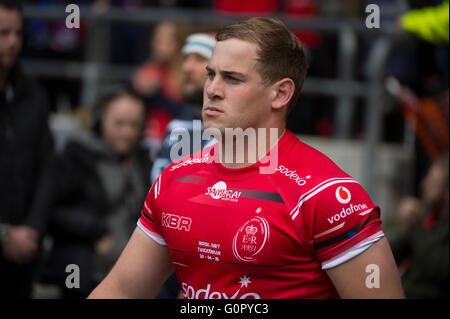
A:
(78, 203)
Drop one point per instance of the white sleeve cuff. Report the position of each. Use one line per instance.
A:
(352, 252)
(157, 238)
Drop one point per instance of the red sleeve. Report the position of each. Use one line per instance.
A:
(148, 222)
(338, 221)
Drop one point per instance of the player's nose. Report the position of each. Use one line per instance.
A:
(213, 88)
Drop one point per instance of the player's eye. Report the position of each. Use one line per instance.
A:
(233, 79)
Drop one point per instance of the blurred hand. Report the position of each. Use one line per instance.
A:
(409, 212)
(22, 245)
(104, 244)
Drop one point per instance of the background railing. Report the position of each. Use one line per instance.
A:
(345, 88)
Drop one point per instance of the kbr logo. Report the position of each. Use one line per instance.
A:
(343, 195)
(176, 222)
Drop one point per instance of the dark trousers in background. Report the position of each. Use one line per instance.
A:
(15, 280)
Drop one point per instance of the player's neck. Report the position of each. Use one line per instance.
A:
(245, 149)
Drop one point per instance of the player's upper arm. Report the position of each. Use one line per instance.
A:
(337, 220)
(372, 274)
(140, 271)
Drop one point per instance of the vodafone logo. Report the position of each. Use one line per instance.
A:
(346, 212)
(343, 195)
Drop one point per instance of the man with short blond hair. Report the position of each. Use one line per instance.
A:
(232, 230)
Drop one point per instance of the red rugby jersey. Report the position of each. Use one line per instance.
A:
(237, 233)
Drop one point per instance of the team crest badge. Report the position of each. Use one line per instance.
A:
(251, 239)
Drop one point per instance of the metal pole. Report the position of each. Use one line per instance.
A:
(376, 72)
(96, 54)
(346, 65)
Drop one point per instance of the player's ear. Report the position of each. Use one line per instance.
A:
(283, 91)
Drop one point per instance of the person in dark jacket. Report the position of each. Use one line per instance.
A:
(26, 152)
(102, 182)
(422, 246)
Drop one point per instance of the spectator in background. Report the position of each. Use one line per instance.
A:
(103, 179)
(197, 52)
(26, 153)
(159, 81)
(53, 41)
(429, 23)
(422, 245)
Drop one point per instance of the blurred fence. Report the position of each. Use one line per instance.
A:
(345, 87)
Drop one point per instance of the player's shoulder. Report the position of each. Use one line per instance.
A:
(307, 166)
(304, 169)
(191, 163)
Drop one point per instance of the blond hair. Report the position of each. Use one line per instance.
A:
(280, 52)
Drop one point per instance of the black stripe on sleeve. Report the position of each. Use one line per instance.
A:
(147, 216)
(347, 234)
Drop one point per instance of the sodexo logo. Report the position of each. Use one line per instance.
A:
(190, 292)
(343, 195)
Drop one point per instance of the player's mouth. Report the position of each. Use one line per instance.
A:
(211, 111)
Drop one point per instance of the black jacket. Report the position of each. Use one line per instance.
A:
(428, 253)
(95, 196)
(26, 154)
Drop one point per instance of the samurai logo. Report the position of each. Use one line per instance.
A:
(220, 191)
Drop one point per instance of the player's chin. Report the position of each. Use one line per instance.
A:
(209, 123)
(208, 120)
(213, 125)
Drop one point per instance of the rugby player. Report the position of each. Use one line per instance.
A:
(305, 229)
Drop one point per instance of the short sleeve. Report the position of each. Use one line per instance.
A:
(148, 221)
(338, 221)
